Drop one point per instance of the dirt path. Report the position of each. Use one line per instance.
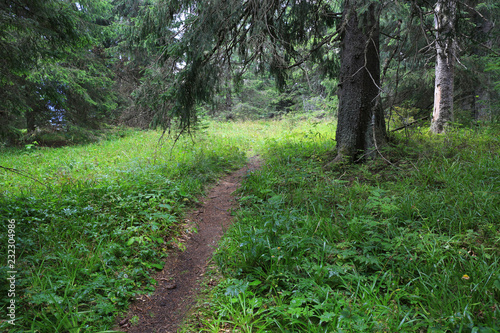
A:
(178, 283)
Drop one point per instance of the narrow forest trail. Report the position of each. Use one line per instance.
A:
(178, 283)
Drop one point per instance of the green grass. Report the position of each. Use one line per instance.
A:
(411, 246)
(88, 239)
(94, 221)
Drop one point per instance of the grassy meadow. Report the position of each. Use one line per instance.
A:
(97, 221)
(404, 243)
(94, 221)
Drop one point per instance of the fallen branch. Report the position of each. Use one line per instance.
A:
(23, 174)
(410, 124)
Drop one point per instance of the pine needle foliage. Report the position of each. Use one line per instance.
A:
(199, 42)
(53, 57)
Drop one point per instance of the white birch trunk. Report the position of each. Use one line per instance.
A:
(444, 22)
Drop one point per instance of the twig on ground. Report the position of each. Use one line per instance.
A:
(23, 174)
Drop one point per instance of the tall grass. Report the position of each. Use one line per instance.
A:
(411, 246)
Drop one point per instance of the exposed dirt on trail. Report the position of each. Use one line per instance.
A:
(178, 283)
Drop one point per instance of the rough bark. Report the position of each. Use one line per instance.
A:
(361, 124)
(444, 23)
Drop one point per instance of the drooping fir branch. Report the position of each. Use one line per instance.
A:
(220, 36)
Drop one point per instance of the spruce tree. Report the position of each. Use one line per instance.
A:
(56, 63)
(277, 36)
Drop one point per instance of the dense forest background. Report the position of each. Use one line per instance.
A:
(69, 67)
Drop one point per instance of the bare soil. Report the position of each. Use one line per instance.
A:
(179, 282)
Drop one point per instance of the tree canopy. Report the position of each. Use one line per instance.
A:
(198, 44)
(156, 62)
(56, 63)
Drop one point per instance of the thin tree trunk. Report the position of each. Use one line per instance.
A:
(361, 124)
(444, 22)
(229, 100)
(30, 121)
(481, 107)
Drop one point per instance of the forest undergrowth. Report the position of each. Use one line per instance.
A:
(93, 222)
(94, 226)
(407, 242)
(407, 246)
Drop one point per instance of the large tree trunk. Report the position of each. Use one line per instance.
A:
(361, 124)
(444, 22)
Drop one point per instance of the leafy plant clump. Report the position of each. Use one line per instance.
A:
(405, 246)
